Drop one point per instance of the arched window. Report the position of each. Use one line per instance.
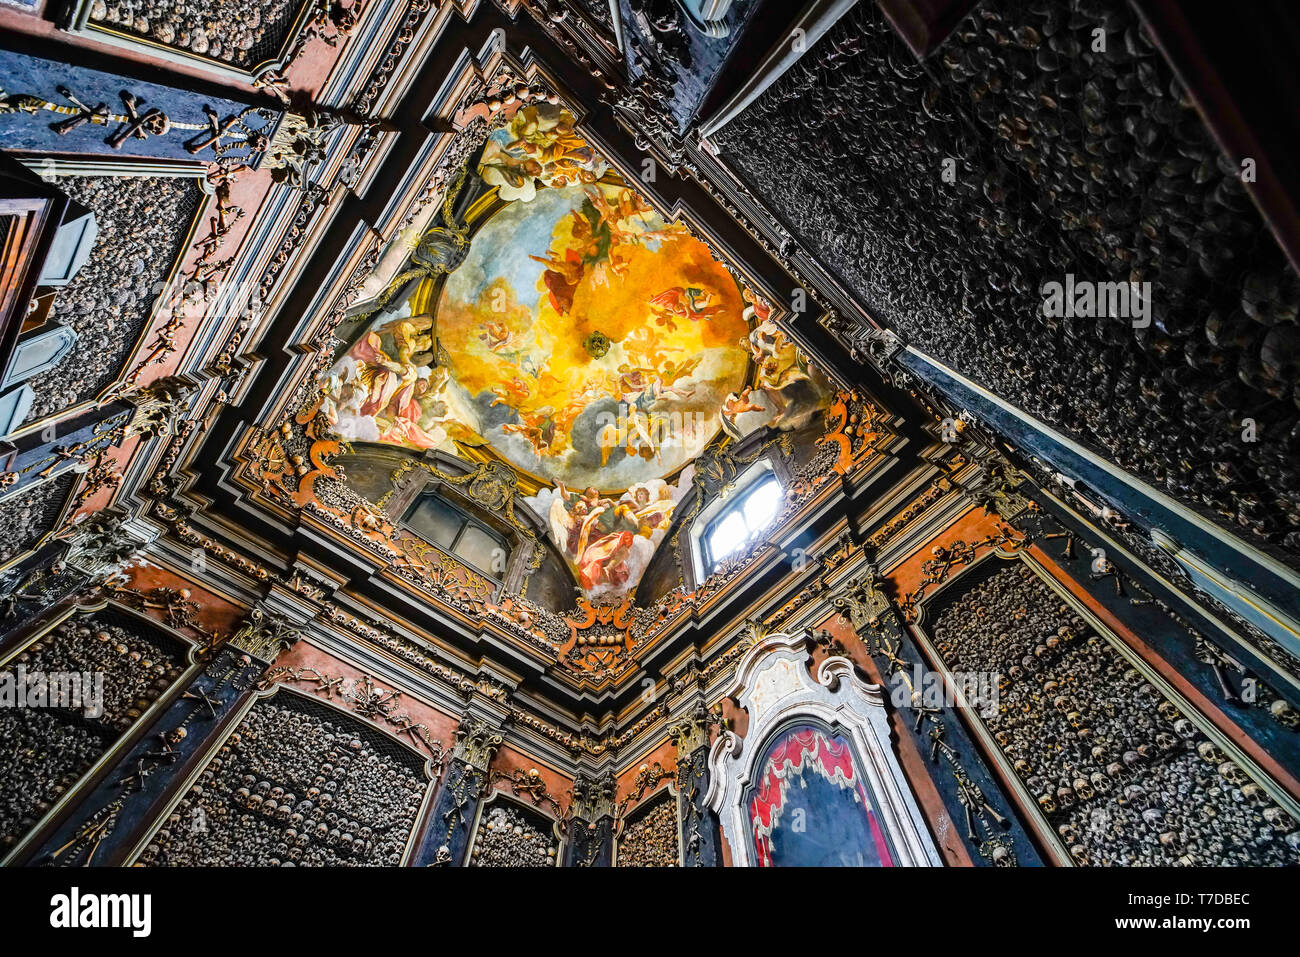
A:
(741, 520)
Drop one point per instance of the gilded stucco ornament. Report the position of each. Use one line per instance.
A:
(476, 743)
(593, 795)
(692, 732)
(265, 634)
(863, 601)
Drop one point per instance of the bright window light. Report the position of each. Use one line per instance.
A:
(727, 535)
(753, 510)
(762, 504)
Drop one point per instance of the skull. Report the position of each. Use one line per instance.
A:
(1208, 751)
(1284, 714)
(1278, 818)
(1230, 772)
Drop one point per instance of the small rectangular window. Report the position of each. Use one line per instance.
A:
(439, 522)
(483, 550)
(727, 535)
(762, 504)
(436, 521)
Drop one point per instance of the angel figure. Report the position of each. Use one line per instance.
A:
(684, 302)
(780, 365)
(734, 405)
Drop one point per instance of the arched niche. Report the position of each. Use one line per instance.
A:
(831, 730)
(511, 833)
(650, 834)
(1083, 728)
(124, 668)
(328, 788)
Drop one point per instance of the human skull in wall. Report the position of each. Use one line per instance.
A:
(1061, 158)
(508, 836)
(45, 750)
(1120, 773)
(227, 30)
(42, 754)
(142, 223)
(295, 784)
(649, 838)
(136, 666)
(27, 515)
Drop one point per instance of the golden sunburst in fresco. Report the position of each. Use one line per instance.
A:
(596, 342)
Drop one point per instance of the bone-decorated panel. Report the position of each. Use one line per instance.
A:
(1120, 774)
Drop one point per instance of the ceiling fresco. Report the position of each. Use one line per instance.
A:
(590, 344)
(604, 356)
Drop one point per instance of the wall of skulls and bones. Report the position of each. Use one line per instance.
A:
(1093, 752)
(292, 677)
